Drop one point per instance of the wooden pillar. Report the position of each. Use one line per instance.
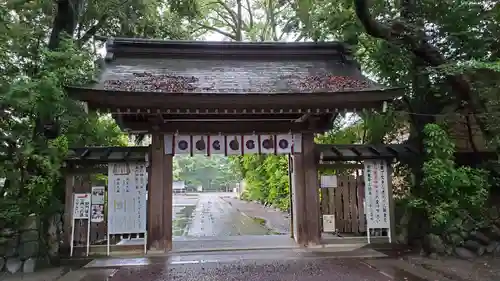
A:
(305, 194)
(167, 199)
(298, 200)
(160, 196)
(312, 204)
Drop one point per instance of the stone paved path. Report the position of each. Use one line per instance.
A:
(276, 220)
(270, 265)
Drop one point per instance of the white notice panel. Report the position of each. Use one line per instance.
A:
(127, 198)
(97, 204)
(98, 195)
(376, 194)
(328, 181)
(81, 206)
(329, 223)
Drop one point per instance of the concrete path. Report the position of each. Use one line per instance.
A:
(263, 265)
(215, 217)
(234, 243)
(276, 220)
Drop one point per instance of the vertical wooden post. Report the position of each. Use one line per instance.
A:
(290, 182)
(311, 190)
(167, 199)
(305, 194)
(156, 216)
(298, 200)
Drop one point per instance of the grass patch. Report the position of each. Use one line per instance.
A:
(181, 221)
(260, 221)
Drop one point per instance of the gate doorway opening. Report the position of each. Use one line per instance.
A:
(206, 202)
(211, 208)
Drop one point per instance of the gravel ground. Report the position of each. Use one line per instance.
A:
(299, 270)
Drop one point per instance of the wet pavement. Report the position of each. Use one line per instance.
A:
(207, 214)
(204, 218)
(300, 270)
(272, 265)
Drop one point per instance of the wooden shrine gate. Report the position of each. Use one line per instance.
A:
(231, 89)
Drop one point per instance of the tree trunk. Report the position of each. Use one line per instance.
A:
(65, 21)
(239, 24)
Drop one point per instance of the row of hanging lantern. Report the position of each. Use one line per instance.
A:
(233, 144)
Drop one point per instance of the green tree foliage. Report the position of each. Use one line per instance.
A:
(266, 179)
(31, 163)
(44, 47)
(214, 173)
(448, 190)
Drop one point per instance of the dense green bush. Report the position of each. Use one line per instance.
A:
(447, 189)
(266, 179)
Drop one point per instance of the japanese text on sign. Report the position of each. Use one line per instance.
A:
(81, 206)
(127, 198)
(377, 194)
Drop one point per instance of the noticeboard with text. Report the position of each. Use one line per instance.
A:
(81, 206)
(127, 198)
(376, 194)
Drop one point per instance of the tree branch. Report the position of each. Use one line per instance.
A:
(401, 34)
(220, 31)
(250, 14)
(226, 21)
(233, 15)
(92, 31)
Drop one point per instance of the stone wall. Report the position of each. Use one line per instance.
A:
(465, 237)
(27, 249)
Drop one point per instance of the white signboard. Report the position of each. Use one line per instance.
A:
(97, 195)
(81, 211)
(97, 213)
(178, 185)
(376, 194)
(81, 206)
(328, 181)
(127, 198)
(329, 223)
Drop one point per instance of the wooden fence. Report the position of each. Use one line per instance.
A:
(346, 203)
(82, 183)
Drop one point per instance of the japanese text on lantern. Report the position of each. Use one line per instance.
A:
(377, 195)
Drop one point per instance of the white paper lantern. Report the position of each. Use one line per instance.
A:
(267, 144)
(217, 145)
(284, 144)
(233, 145)
(200, 144)
(182, 144)
(250, 144)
